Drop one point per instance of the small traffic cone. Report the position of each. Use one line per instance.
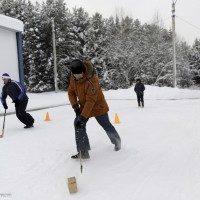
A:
(47, 118)
(116, 119)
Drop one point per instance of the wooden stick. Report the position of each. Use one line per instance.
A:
(81, 162)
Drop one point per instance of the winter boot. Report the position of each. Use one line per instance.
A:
(142, 104)
(118, 145)
(84, 155)
(28, 126)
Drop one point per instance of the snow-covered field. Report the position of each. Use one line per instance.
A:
(159, 159)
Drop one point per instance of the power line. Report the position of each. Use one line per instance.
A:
(188, 23)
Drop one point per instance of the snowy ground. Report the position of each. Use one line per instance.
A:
(159, 159)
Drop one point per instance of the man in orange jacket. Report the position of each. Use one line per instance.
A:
(87, 100)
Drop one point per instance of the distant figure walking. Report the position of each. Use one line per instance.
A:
(17, 93)
(139, 89)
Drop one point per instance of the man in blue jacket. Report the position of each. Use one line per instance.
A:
(17, 93)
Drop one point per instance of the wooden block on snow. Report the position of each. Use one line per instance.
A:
(72, 184)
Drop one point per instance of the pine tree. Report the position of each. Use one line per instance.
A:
(81, 25)
(194, 62)
(7, 7)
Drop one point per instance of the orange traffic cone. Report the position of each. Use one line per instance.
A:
(116, 119)
(47, 118)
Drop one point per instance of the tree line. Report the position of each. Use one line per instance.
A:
(120, 49)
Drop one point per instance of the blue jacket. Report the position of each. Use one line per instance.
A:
(14, 90)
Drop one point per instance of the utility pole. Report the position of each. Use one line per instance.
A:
(54, 56)
(174, 43)
(54, 49)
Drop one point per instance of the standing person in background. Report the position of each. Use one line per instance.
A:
(139, 89)
(17, 93)
(87, 100)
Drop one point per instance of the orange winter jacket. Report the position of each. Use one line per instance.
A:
(87, 93)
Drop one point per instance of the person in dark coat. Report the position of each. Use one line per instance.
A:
(17, 93)
(139, 89)
(87, 100)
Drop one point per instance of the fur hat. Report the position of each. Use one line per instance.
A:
(77, 67)
(6, 76)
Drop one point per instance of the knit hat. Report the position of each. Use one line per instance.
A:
(6, 76)
(138, 80)
(77, 67)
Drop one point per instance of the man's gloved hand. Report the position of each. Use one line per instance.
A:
(80, 121)
(5, 106)
(77, 109)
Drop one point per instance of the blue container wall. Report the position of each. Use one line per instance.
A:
(20, 57)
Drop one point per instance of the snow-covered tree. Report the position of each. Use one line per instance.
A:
(80, 26)
(194, 61)
(122, 49)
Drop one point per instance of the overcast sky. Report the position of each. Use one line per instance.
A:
(187, 12)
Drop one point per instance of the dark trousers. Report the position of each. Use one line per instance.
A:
(109, 128)
(21, 113)
(82, 141)
(140, 98)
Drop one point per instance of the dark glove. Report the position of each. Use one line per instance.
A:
(16, 101)
(5, 106)
(77, 109)
(80, 121)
